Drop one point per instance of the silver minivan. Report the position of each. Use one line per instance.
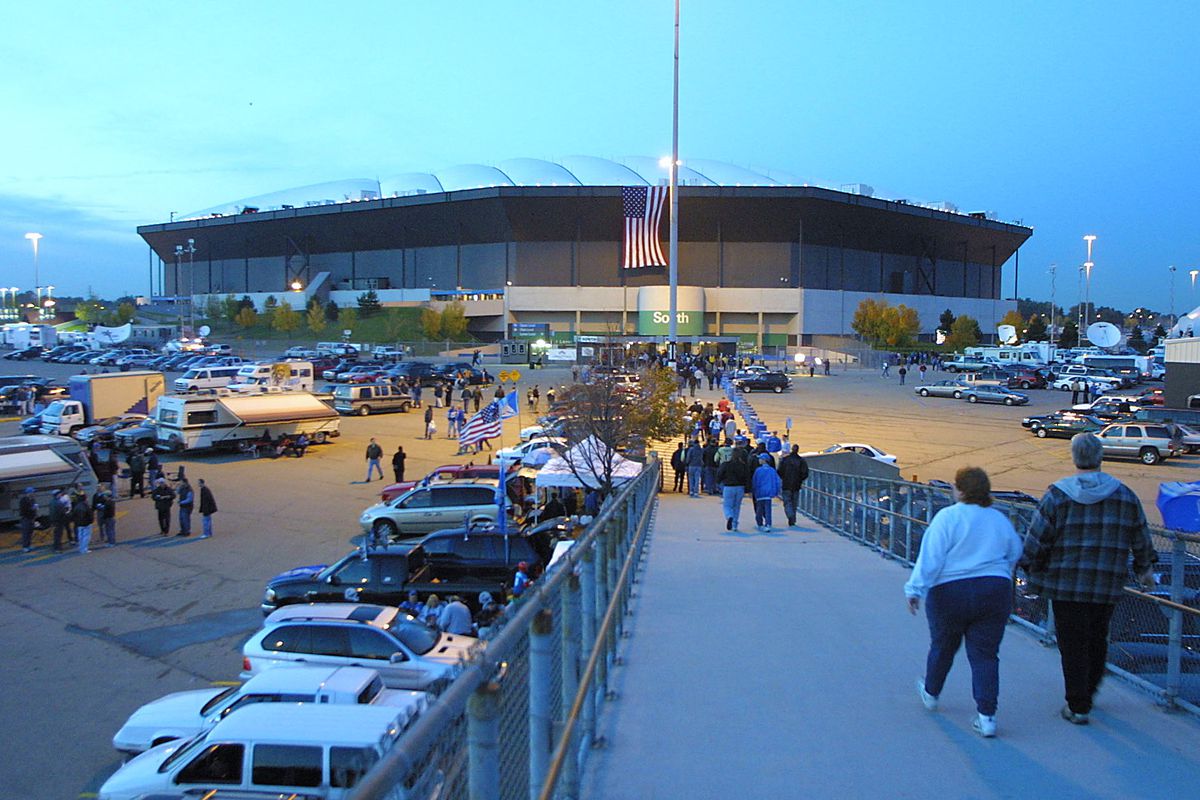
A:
(425, 509)
(369, 398)
(200, 378)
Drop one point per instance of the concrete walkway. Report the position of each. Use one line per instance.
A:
(782, 665)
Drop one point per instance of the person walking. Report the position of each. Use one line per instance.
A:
(921, 369)
(679, 466)
(438, 392)
(137, 473)
(902, 372)
(708, 481)
(793, 472)
(163, 499)
(208, 507)
(964, 573)
(398, 458)
(28, 510)
(766, 487)
(886, 368)
(428, 427)
(537, 397)
(693, 458)
(104, 506)
(1077, 555)
(732, 475)
(83, 517)
(374, 454)
(187, 502)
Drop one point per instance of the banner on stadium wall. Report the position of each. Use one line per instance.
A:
(654, 311)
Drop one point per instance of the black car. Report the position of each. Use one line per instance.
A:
(761, 381)
(454, 561)
(421, 372)
(1067, 426)
(24, 354)
(474, 376)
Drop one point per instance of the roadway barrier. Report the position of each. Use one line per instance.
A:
(520, 719)
(1155, 635)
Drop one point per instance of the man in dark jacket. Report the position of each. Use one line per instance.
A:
(733, 475)
(60, 517)
(693, 457)
(163, 499)
(677, 464)
(398, 459)
(137, 474)
(187, 502)
(1077, 555)
(83, 516)
(374, 453)
(208, 507)
(104, 505)
(793, 472)
(709, 478)
(28, 509)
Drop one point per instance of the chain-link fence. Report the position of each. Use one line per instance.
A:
(1155, 635)
(520, 719)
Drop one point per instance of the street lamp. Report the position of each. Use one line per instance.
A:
(673, 246)
(1089, 238)
(191, 251)
(178, 256)
(1171, 269)
(35, 238)
(1194, 273)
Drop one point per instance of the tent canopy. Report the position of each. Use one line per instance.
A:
(591, 460)
(281, 407)
(29, 463)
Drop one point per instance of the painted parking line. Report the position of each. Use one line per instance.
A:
(226, 683)
(10, 419)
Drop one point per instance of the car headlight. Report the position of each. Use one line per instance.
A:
(269, 595)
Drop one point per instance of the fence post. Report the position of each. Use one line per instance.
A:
(569, 781)
(483, 743)
(587, 628)
(1175, 631)
(603, 582)
(540, 666)
(908, 512)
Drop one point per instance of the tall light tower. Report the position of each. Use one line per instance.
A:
(191, 251)
(1053, 269)
(178, 256)
(35, 238)
(673, 244)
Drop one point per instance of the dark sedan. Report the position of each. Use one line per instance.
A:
(1067, 426)
(756, 381)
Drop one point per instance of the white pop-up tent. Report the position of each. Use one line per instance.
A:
(585, 465)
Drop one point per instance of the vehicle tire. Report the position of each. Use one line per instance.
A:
(364, 411)
(777, 389)
(404, 407)
(745, 388)
(74, 431)
(319, 437)
(1149, 456)
(958, 395)
(924, 393)
(163, 740)
(383, 530)
(1008, 401)
(1040, 433)
(1024, 384)
(972, 399)
(481, 521)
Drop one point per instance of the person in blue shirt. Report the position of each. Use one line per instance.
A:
(766, 487)
(774, 443)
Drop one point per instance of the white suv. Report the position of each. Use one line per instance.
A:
(182, 715)
(407, 653)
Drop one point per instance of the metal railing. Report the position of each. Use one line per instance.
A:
(1155, 635)
(520, 719)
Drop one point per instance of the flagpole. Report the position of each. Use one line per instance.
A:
(673, 256)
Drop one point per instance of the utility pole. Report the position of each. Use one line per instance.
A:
(1053, 268)
(673, 248)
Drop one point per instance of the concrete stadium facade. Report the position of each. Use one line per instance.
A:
(530, 242)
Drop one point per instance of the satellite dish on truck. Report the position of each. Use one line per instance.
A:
(1007, 334)
(205, 331)
(112, 335)
(1103, 334)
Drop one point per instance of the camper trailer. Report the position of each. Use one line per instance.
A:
(228, 419)
(284, 374)
(1029, 354)
(47, 463)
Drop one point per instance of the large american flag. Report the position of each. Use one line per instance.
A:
(484, 425)
(643, 211)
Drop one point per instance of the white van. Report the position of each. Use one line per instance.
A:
(270, 749)
(284, 374)
(200, 378)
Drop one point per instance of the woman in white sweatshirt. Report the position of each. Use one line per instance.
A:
(964, 572)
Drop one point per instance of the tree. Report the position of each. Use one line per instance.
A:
(316, 317)
(1014, 318)
(1036, 330)
(431, 324)
(868, 320)
(331, 311)
(946, 321)
(1160, 332)
(880, 323)
(231, 307)
(271, 303)
(368, 304)
(89, 310)
(1070, 334)
(246, 318)
(1137, 341)
(348, 317)
(393, 325)
(454, 321)
(245, 302)
(284, 318)
(125, 313)
(963, 333)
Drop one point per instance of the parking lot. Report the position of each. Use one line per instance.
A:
(91, 637)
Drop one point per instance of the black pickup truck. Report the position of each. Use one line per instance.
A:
(448, 562)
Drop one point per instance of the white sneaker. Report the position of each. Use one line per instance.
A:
(928, 700)
(984, 725)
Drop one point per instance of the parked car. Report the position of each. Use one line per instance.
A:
(1108, 407)
(948, 388)
(519, 451)
(139, 436)
(1066, 383)
(758, 381)
(182, 715)
(474, 376)
(441, 474)
(1026, 379)
(1067, 426)
(964, 364)
(25, 354)
(995, 394)
(1148, 442)
(105, 430)
(421, 372)
(425, 509)
(407, 653)
(855, 447)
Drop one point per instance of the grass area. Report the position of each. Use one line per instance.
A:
(389, 326)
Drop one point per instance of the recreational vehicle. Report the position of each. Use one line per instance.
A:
(46, 463)
(228, 419)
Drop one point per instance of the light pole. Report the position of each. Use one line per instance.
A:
(191, 251)
(46, 307)
(1087, 266)
(1171, 269)
(178, 256)
(673, 246)
(35, 238)
(1053, 269)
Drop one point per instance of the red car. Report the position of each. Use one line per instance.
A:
(443, 473)
(1152, 397)
(1027, 380)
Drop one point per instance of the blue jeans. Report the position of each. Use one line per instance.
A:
(185, 521)
(694, 481)
(762, 512)
(206, 524)
(372, 465)
(108, 530)
(975, 608)
(791, 501)
(731, 500)
(709, 480)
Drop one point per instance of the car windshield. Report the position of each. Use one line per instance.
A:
(416, 636)
(216, 701)
(185, 748)
(344, 393)
(190, 374)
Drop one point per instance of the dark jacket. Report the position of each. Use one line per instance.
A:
(734, 472)
(677, 462)
(710, 454)
(694, 456)
(374, 450)
(81, 512)
(105, 506)
(137, 464)
(28, 507)
(208, 504)
(793, 471)
(163, 497)
(187, 498)
(398, 460)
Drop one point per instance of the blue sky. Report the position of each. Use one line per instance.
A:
(1071, 117)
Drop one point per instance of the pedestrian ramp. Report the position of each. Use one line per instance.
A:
(783, 665)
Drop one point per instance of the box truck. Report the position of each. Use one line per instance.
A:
(230, 420)
(94, 397)
(46, 463)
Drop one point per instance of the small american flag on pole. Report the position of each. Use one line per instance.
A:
(484, 425)
(643, 212)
